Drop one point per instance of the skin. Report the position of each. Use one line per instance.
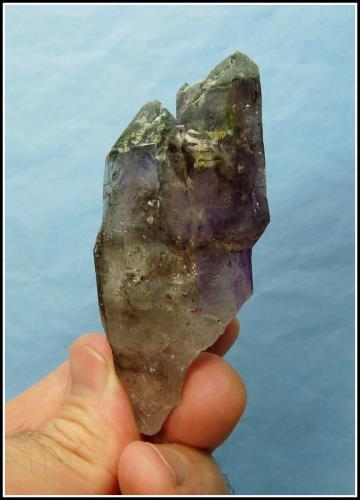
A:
(74, 432)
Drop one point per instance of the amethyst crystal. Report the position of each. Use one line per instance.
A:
(184, 202)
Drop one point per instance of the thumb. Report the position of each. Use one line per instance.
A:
(168, 469)
(80, 446)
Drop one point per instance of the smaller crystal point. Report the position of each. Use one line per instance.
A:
(146, 127)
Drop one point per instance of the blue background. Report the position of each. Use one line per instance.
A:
(75, 77)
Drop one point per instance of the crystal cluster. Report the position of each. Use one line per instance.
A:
(184, 202)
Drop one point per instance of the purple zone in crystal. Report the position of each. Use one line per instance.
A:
(206, 208)
(225, 278)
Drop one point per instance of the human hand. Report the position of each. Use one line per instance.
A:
(74, 431)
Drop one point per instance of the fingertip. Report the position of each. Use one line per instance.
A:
(142, 470)
(168, 469)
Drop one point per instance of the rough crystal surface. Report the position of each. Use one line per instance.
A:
(184, 202)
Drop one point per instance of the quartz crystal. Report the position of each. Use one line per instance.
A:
(184, 202)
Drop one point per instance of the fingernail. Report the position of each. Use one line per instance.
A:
(174, 461)
(88, 370)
